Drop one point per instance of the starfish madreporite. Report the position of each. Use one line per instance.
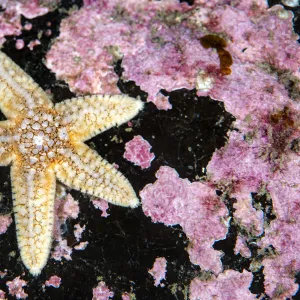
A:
(42, 142)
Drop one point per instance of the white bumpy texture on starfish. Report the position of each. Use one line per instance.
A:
(42, 142)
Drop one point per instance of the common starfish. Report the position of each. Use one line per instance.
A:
(42, 142)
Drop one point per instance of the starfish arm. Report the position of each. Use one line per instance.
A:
(18, 91)
(33, 200)
(91, 115)
(7, 138)
(83, 169)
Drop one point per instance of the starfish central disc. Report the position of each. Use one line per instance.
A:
(40, 135)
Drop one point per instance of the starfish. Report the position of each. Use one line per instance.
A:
(43, 142)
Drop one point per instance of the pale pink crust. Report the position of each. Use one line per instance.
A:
(62, 250)
(138, 152)
(162, 102)
(265, 35)
(237, 163)
(241, 247)
(10, 19)
(81, 246)
(2, 295)
(78, 231)
(53, 281)
(262, 159)
(15, 288)
(283, 232)
(28, 26)
(173, 200)
(20, 44)
(226, 286)
(67, 207)
(5, 221)
(33, 44)
(102, 292)
(159, 270)
(102, 205)
(160, 48)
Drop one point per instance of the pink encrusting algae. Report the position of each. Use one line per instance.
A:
(62, 250)
(226, 286)
(10, 17)
(102, 292)
(195, 207)
(155, 55)
(158, 270)
(20, 44)
(138, 152)
(5, 221)
(15, 288)
(66, 207)
(265, 160)
(33, 44)
(102, 205)
(160, 48)
(241, 247)
(81, 246)
(78, 231)
(53, 281)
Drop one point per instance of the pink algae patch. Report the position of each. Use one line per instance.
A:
(138, 152)
(81, 246)
(102, 205)
(261, 159)
(62, 250)
(54, 281)
(78, 231)
(283, 232)
(28, 26)
(33, 44)
(10, 18)
(65, 207)
(102, 292)
(238, 164)
(172, 200)
(241, 247)
(20, 44)
(158, 42)
(5, 221)
(155, 55)
(15, 288)
(226, 286)
(158, 270)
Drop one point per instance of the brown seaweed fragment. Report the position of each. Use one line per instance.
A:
(217, 42)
